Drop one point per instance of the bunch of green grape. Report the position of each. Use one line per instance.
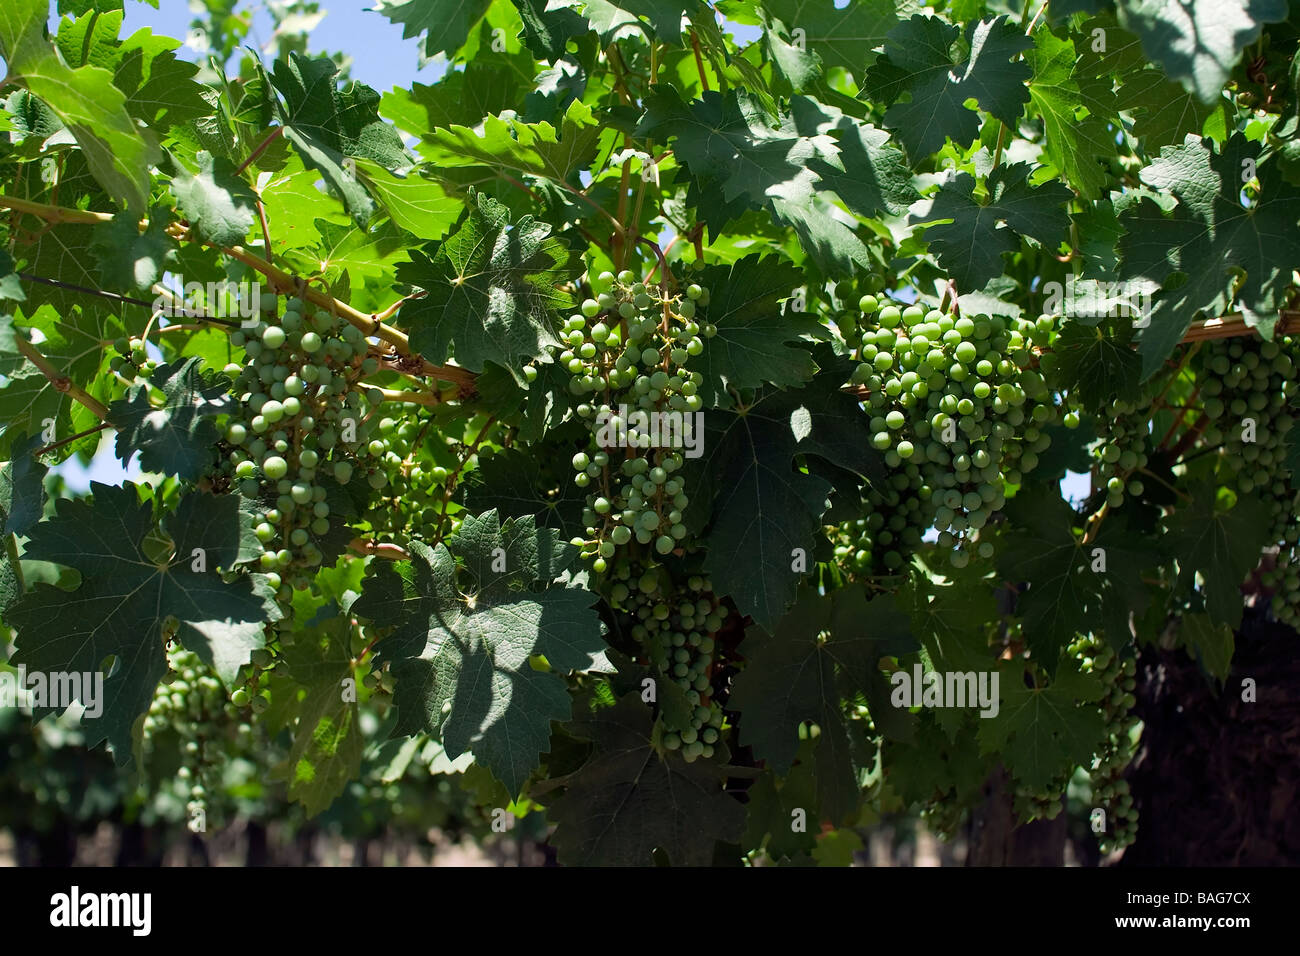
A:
(1249, 386)
(625, 352)
(301, 419)
(131, 360)
(191, 704)
(675, 622)
(957, 408)
(893, 521)
(1124, 449)
(1119, 746)
(412, 500)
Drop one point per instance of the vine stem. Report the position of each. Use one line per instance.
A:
(70, 439)
(261, 147)
(281, 280)
(413, 398)
(380, 549)
(60, 381)
(15, 562)
(699, 61)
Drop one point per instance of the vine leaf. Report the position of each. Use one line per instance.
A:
(627, 801)
(1209, 642)
(491, 289)
(327, 742)
(178, 437)
(1213, 239)
(1098, 363)
(22, 487)
(753, 330)
(824, 650)
(131, 259)
(763, 507)
(832, 36)
(1198, 44)
(547, 31)
(470, 651)
(218, 204)
(327, 125)
(1042, 732)
(970, 245)
(85, 99)
(125, 597)
(918, 61)
(1217, 548)
(445, 23)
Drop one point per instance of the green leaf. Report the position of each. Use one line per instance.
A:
(1209, 642)
(824, 651)
(327, 741)
(219, 205)
(658, 19)
(1043, 732)
(124, 599)
(970, 246)
(1078, 142)
(130, 259)
(517, 483)
(1211, 237)
(1043, 552)
(772, 809)
(874, 178)
(546, 31)
(537, 149)
(22, 488)
(118, 152)
(421, 206)
(177, 437)
(445, 23)
(763, 507)
(1098, 363)
(751, 345)
(844, 37)
(328, 125)
(465, 642)
(627, 801)
(491, 289)
(918, 60)
(1198, 44)
(1216, 548)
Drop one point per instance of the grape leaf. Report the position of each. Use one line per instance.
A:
(548, 29)
(1043, 552)
(1098, 363)
(1209, 642)
(538, 149)
(130, 259)
(753, 331)
(327, 741)
(763, 508)
(178, 437)
(513, 483)
(660, 19)
(772, 806)
(824, 650)
(1209, 237)
(1077, 143)
(471, 649)
(627, 801)
(218, 204)
(22, 487)
(491, 289)
(1198, 44)
(327, 125)
(445, 23)
(124, 598)
(970, 246)
(917, 60)
(1217, 548)
(422, 207)
(1043, 732)
(834, 36)
(85, 99)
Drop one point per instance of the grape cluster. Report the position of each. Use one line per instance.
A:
(957, 408)
(131, 360)
(675, 622)
(412, 499)
(300, 421)
(1119, 746)
(1124, 449)
(625, 353)
(1249, 386)
(191, 704)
